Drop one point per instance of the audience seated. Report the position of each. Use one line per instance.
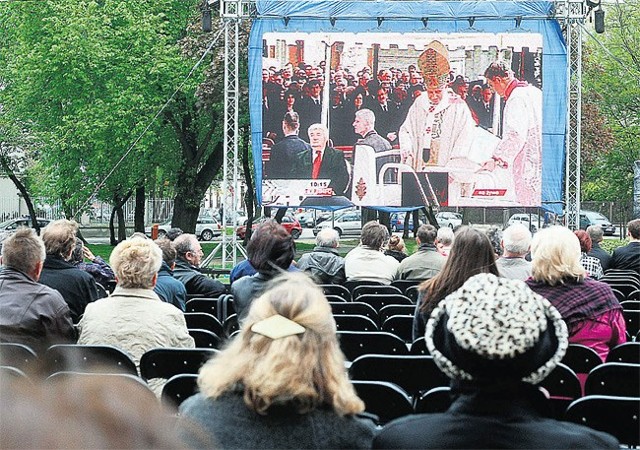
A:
(366, 261)
(495, 339)
(426, 262)
(134, 318)
(444, 240)
(97, 268)
(591, 311)
(167, 287)
(270, 251)
(323, 263)
(281, 383)
(590, 263)
(188, 258)
(77, 287)
(471, 254)
(597, 235)
(516, 242)
(30, 313)
(628, 257)
(396, 248)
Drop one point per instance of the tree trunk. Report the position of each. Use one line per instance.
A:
(138, 216)
(118, 203)
(249, 199)
(23, 191)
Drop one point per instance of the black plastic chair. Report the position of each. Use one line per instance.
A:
(231, 325)
(401, 326)
(625, 281)
(179, 388)
(617, 416)
(358, 343)
(362, 309)
(351, 285)
(563, 387)
(412, 293)
(205, 338)
(88, 358)
(336, 289)
(632, 321)
(374, 289)
(629, 352)
(203, 321)
(335, 298)
(395, 310)
(419, 347)
(614, 379)
(11, 372)
(414, 374)
(167, 362)
(204, 305)
(354, 322)
(386, 400)
(379, 301)
(632, 304)
(435, 400)
(20, 356)
(404, 284)
(581, 359)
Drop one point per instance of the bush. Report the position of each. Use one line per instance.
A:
(611, 244)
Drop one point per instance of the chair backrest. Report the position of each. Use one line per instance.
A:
(362, 309)
(401, 326)
(634, 296)
(20, 356)
(335, 298)
(88, 358)
(581, 359)
(632, 304)
(562, 383)
(231, 325)
(374, 289)
(379, 301)
(615, 379)
(205, 338)
(203, 321)
(617, 416)
(435, 400)
(412, 293)
(629, 352)
(632, 321)
(414, 374)
(625, 281)
(396, 310)
(204, 305)
(354, 322)
(403, 285)
(167, 362)
(179, 388)
(352, 284)
(336, 289)
(105, 379)
(12, 372)
(385, 400)
(419, 347)
(358, 343)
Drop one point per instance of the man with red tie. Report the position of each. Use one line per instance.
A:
(327, 162)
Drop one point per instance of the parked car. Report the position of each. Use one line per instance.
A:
(346, 223)
(206, 228)
(397, 222)
(449, 219)
(289, 223)
(588, 218)
(7, 228)
(531, 221)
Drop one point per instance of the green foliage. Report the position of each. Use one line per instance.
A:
(611, 244)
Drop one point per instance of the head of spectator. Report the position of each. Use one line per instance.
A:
(173, 233)
(287, 354)
(374, 235)
(315, 88)
(633, 230)
(487, 93)
(426, 234)
(382, 95)
(168, 252)
(78, 254)
(358, 100)
(290, 96)
(476, 92)
(271, 248)
(495, 237)
(585, 240)
(596, 233)
(516, 241)
(59, 238)
(24, 251)
(318, 136)
(291, 123)
(460, 87)
(328, 237)
(138, 235)
(396, 244)
(136, 263)
(499, 75)
(189, 249)
(555, 256)
(471, 254)
(364, 122)
(445, 236)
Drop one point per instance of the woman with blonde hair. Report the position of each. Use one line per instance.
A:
(396, 248)
(590, 309)
(281, 382)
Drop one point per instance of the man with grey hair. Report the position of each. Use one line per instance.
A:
(30, 313)
(444, 240)
(516, 241)
(187, 269)
(597, 235)
(427, 262)
(323, 263)
(367, 262)
(327, 162)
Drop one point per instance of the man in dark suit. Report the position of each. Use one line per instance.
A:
(291, 157)
(310, 108)
(385, 117)
(331, 163)
(628, 257)
(596, 234)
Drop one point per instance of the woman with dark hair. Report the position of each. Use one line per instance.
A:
(270, 251)
(471, 254)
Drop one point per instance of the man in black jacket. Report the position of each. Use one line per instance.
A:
(189, 255)
(596, 233)
(628, 257)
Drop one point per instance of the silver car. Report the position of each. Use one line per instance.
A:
(9, 227)
(206, 228)
(449, 219)
(346, 223)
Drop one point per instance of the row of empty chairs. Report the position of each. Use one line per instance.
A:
(624, 283)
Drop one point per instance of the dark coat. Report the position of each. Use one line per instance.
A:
(386, 121)
(602, 255)
(507, 419)
(169, 289)
(627, 257)
(309, 113)
(32, 314)
(77, 287)
(290, 159)
(195, 282)
(334, 167)
(246, 290)
(324, 264)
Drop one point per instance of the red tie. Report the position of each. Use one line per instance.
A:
(316, 164)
